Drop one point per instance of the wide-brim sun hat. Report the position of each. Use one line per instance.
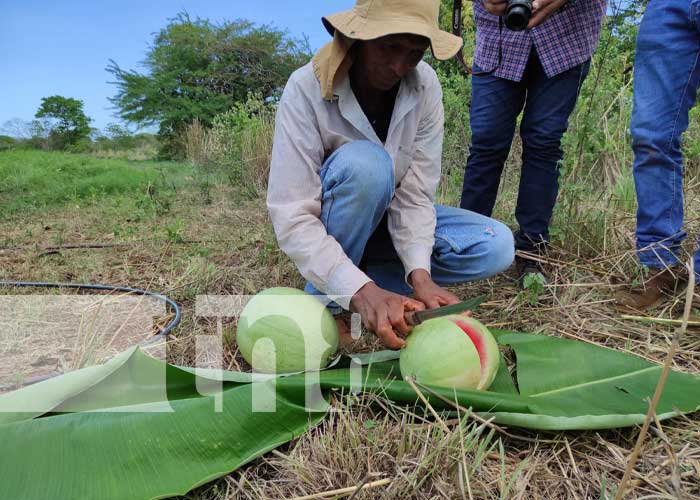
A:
(371, 19)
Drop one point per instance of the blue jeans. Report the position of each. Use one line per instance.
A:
(666, 79)
(495, 106)
(358, 186)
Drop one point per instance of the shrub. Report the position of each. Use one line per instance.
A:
(239, 145)
(246, 133)
(7, 142)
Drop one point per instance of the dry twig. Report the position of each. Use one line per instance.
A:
(660, 386)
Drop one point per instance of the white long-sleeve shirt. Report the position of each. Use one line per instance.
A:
(309, 129)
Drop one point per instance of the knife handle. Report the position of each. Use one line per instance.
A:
(411, 318)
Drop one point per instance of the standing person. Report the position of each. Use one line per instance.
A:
(666, 79)
(540, 69)
(355, 166)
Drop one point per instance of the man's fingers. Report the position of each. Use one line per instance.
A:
(542, 11)
(388, 336)
(432, 303)
(369, 320)
(398, 321)
(448, 300)
(412, 305)
(385, 331)
(496, 7)
(536, 19)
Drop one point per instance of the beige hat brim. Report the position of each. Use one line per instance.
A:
(444, 45)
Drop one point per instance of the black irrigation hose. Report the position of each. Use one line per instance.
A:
(111, 288)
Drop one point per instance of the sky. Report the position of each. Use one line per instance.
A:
(62, 47)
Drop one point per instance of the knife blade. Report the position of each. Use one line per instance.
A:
(415, 318)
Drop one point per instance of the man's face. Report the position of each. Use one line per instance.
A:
(386, 60)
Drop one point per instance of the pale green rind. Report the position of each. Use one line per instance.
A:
(284, 330)
(493, 355)
(438, 352)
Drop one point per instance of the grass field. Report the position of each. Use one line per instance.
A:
(158, 231)
(32, 180)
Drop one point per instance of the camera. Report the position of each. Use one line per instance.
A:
(518, 14)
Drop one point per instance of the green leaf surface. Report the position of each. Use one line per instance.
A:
(566, 378)
(138, 440)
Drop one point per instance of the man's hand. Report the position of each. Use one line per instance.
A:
(383, 313)
(496, 7)
(543, 10)
(428, 292)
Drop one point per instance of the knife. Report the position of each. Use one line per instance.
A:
(415, 318)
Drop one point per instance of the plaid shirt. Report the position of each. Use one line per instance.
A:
(563, 41)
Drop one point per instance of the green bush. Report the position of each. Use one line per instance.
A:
(67, 123)
(83, 145)
(119, 142)
(246, 133)
(7, 142)
(238, 145)
(456, 89)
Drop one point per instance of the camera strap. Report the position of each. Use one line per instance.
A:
(457, 31)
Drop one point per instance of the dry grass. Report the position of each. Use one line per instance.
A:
(202, 147)
(228, 247)
(240, 153)
(256, 152)
(142, 153)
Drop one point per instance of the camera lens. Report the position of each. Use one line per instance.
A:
(517, 17)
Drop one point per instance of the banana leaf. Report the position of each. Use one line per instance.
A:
(138, 428)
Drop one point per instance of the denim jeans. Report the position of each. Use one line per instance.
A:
(358, 186)
(666, 79)
(495, 106)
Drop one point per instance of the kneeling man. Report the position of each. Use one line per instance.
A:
(355, 166)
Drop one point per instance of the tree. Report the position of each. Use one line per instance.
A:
(197, 69)
(17, 128)
(68, 123)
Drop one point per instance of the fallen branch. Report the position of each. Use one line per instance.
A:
(551, 261)
(661, 321)
(344, 491)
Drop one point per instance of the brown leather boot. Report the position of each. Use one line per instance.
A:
(652, 291)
